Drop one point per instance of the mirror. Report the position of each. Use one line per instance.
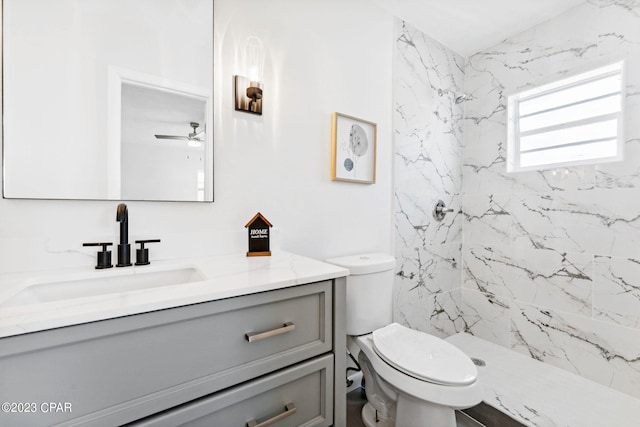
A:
(108, 99)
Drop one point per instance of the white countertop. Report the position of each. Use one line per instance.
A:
(541, 395)
(225, 276)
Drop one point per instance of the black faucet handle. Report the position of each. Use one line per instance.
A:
(104, 256)
(142, 254)
(103, 244)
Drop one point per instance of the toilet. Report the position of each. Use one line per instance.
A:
(412, 379)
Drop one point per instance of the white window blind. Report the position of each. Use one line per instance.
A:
(574, 121)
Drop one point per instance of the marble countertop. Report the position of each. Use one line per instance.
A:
(541, 395)
(223, 277)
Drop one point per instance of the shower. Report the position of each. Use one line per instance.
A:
(458, 98)
(462, 98)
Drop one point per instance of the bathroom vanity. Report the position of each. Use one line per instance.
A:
(257, 340)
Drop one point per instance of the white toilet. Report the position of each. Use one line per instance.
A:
(412, 378)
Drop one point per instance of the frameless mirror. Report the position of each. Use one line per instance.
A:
(108, 99)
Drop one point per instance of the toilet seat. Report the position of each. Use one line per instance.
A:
(423, 356)
(456, 397)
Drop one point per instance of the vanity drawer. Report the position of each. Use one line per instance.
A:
(297, 396)
(123, 369)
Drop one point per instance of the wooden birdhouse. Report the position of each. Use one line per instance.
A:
(258, 229)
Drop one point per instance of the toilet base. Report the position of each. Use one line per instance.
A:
(371, 419)
(412, 412)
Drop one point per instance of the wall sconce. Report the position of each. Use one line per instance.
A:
(249, 89)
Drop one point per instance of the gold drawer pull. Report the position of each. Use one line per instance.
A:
(290, 410)
(257, 336)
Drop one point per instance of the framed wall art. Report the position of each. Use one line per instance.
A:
(353, 150)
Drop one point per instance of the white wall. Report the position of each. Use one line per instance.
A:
(321, 57)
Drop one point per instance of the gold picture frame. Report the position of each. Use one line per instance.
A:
(353, 149)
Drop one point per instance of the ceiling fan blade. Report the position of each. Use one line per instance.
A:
(172, 137)
(193, 136)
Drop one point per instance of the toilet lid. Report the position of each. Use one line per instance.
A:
(423, 356)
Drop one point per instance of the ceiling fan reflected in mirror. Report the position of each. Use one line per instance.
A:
(194, 138)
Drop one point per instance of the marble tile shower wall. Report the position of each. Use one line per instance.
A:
(551, 260)
(428, 153)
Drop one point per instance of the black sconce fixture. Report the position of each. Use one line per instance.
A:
(248, 89)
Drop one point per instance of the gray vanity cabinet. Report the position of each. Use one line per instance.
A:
(248, 359)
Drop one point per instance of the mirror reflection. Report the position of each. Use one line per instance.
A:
(108, 99)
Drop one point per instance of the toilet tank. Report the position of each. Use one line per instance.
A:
(369, 291)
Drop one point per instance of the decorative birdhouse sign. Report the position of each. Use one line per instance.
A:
(258, 229)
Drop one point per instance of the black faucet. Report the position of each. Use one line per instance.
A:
(124, 248)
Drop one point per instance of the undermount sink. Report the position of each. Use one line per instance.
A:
(61, 289)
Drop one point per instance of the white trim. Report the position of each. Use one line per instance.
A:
(513, 119)
(569, 125)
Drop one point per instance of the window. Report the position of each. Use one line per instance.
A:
(574, 121)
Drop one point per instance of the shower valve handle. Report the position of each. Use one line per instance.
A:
(440, 210)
